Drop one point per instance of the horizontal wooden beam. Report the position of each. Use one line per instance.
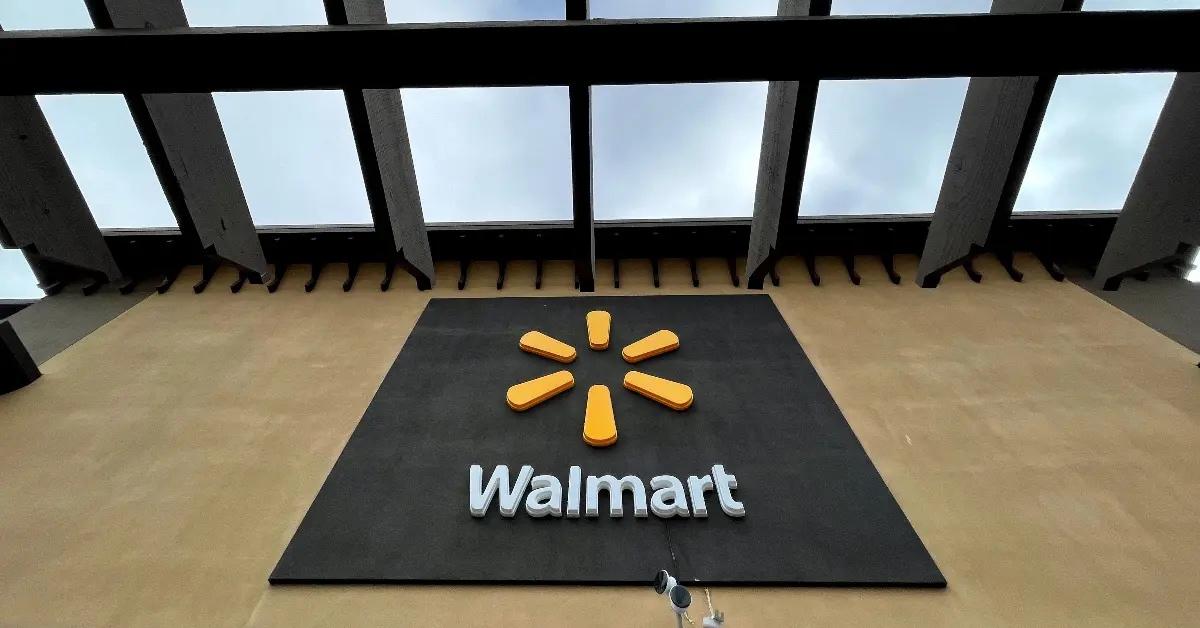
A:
(1161, 216)
(999, 124)
(187, 148)
(787, 128)
(597, 52)
(385, 156)
(1080, 237)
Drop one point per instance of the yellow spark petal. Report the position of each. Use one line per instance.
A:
(528, 394)
(599, 324)
(599, 422)
(671, 394)
(658, 343)
(537, 343)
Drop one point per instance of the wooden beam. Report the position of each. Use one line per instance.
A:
(17, 368)
(42, 211)
(186, 143)
(385, 155)
(598, 51)
(787, 128)
(8, 307)
(1162, 210)
(584, 232)
(577, 10)
(1079, 237)
(1000, 120)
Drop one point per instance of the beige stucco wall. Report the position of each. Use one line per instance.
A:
(1043, 443)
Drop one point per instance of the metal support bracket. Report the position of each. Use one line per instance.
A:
(168, 279)
(314, 275)
(463, 265)
(237, 284)
(855, 278)
(351, 275)
(969, 266)
(280, 271)
(1006, 260)
(811, 264)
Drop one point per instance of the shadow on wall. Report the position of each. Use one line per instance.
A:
(1163, 300)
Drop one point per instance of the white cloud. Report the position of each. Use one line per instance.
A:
(105, 153)
(676, 151)
(1091, 141)
(254, 12)
(880, 146)
(473, 10)
(43, 14)
(908, 7)
(295, 156)
(491, 154)
(680, 8)
(16, 278)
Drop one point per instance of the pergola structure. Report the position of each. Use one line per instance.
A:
(167, 71)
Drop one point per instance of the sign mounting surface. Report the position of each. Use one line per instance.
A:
(790, 496)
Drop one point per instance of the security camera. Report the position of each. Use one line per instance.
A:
(663, 581)
(681, 599)
(677, 594)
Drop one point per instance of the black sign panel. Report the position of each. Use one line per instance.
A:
(395, 507)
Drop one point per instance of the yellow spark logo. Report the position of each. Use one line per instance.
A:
(599, 420)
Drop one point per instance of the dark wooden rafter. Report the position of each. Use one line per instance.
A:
(787, 128)
(999, 125)
(1161, 217)
(17, 367)
(584, 238)
(8, 307)
(385, 154)
(42, 211)
(577, 10)
(186, 144)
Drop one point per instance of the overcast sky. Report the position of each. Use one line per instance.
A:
(660, 150)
